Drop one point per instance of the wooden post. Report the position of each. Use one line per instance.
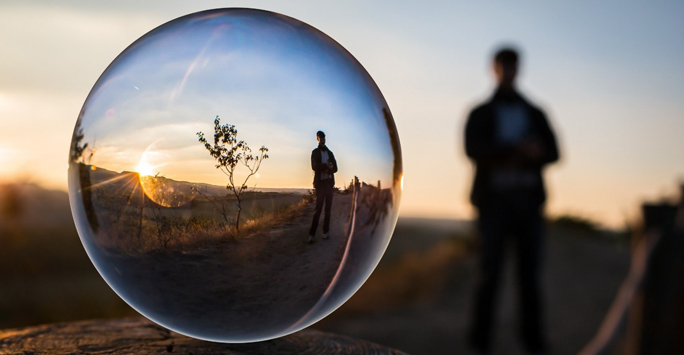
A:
(140, 336)
(653, 291)
(658, 323)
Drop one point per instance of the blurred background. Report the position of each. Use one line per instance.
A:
(608, 74)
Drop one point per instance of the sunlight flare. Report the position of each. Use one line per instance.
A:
(145, 168)
(160, 190)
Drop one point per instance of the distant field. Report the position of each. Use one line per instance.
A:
(423, 282)
(133, 213)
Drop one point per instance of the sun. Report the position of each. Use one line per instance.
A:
(144, 167)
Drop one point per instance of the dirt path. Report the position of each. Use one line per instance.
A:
(581, 277)
(265, 281)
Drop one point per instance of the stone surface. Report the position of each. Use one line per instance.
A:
(140, 336)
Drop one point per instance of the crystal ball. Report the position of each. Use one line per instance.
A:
(235, 175)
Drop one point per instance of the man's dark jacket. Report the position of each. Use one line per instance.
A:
(488, 154)
(318, 166)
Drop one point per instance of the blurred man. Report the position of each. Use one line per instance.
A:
(510, 141)
(324, 166)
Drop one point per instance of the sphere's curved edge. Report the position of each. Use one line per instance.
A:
(85, 233)
(360, 284)
(81, 233)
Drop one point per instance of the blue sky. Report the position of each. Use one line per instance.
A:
(608, 74)
(277, 81)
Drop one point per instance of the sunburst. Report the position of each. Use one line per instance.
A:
(145, 168)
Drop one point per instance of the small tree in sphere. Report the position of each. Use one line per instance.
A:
(229, 153)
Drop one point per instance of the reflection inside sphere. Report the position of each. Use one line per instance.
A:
(235, 175)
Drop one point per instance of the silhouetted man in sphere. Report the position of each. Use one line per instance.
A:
(324, 166)
(510, 141)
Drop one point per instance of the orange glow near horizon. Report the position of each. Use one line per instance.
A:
(144, 167)
(158, 189)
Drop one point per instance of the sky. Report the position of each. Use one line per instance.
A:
(608, 75)
(277, 81)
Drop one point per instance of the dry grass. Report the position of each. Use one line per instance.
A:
(163, 230)
(269, 220)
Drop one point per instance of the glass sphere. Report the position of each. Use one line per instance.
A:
(198, 175)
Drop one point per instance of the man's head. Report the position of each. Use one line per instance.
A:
(506, 66)
(321, 137)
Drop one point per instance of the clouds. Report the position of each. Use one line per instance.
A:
(42, 46)
(609, 74)
(277, 81)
